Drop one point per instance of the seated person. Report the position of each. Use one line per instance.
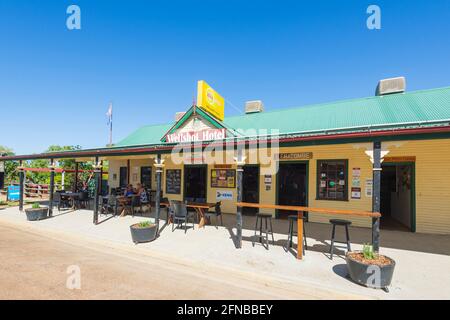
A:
(129, 190)
(142, 193)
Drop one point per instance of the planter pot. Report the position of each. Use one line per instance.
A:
(36, 214)
(146, 234)
(370, 275)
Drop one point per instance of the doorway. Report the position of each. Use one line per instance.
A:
(250, 188)
(292, 186)
(195, 180)
(397, 196)
(123, 177)
(146, 177)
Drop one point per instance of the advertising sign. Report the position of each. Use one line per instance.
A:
(224, 195)
(13, 193)
(209, 100)
(293, 156)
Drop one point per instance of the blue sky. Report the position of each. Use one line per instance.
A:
(146, 57)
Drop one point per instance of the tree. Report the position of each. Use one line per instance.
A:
(11, 173)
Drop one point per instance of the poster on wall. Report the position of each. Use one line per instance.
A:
(173, 181)
(356, 193)
(369, 188)
(223, 178)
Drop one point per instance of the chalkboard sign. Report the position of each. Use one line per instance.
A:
(223, 178)
(173, 181)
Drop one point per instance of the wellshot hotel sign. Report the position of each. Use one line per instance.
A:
(194, 136)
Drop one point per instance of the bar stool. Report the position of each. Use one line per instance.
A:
(291, 233)
(267, 217)
(339, 222)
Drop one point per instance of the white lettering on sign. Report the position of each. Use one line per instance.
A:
(224, 195)
(193, 136)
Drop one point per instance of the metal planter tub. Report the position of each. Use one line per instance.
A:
(370, 275)
(141, 234)
(35, 214)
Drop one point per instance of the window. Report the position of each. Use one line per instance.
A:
(146, 177)
(123, 177)
(332, 180)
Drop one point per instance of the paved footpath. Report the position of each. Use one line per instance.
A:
(34, 265)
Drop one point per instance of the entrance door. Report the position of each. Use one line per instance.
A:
(195, 183)
(146, 177)
(292, 186)
(397, 196)
(123, 179)
(250, 188)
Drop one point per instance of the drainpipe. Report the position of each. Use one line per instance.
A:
(21, 185)
(52, 187)
(376, 194)
(97, 172)
(159, 165)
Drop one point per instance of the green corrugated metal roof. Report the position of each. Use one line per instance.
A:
(388, 111)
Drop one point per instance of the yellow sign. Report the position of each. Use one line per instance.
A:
(209, 100)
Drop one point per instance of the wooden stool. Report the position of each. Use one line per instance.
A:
(259, 218)
(339, 222)
(291, 233)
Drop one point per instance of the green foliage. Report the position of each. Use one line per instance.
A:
(11, 174)
(145, 224)
(368, 252)
(35, 205)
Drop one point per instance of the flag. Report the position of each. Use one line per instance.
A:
(109, 114)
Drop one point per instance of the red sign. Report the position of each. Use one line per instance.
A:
(193, 136)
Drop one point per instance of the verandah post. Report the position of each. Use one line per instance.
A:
(159, 164)
(376, 194)
(52, 187)
(75, 187)
(97, 171)
(240, 168)
(21, 185)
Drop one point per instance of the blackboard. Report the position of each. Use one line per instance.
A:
(173, 181)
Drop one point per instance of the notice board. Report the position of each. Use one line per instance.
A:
(223, 178)
(173, 181)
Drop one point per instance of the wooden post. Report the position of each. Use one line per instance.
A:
(300, 235)
(159, 169)
(52, 188)
(21, 185)
(376, 194)
(128, 171)
(97, 170)
(101, 178)
(75, 187)
(240, 169)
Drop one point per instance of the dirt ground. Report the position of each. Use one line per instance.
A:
(34, 266)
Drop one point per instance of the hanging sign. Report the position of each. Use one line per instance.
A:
(209, 100)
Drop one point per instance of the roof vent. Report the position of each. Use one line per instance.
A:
(179, 115)
(391, 85)
(254, 106)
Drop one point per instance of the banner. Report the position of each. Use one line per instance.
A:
(209, 100)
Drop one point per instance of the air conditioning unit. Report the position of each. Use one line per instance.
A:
(179, 115)
(254, 106)
(391, 85)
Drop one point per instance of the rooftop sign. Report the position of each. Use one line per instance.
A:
(209, 100)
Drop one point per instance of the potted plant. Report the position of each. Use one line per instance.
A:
(36, 212)
(369, 268)
(143, 231)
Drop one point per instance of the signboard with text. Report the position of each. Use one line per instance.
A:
(209, 100)
(194, 136)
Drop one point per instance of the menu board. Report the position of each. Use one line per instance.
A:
(173, 181)
(223, 178)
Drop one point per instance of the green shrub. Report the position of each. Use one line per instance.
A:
(368, 252)
(145, 224)
(35, 205)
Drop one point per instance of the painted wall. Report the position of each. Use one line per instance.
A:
(431, 180)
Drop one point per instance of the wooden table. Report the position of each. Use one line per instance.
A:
(300, 210)
(123, 202)
(199, 208)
